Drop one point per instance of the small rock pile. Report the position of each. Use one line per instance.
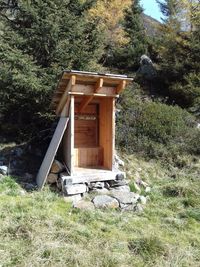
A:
(105, 195)
(114, 194)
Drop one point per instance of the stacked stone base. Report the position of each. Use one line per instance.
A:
(114, 194)
(99, 188)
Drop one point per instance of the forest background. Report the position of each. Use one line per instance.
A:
(38, 39)
(157, 121)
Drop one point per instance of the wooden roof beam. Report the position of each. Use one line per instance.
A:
(63, 99)
(98, 85)
(121, 86)
(85, 102)
(88, 99)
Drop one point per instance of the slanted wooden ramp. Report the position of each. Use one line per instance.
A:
(51, 152)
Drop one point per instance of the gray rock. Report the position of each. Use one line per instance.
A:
(1, 177)
(123, 188)
(115, 183)
(65, 178)
(75, 189)
(125, 198)
(147, 70)
(143, 200)
(119, 161)
(121, 176)
(107, 185)
(139, 208)
(84, 205)
(105, 201)
(98, 185)
(4, 170)
(128, 207)
(102, 191)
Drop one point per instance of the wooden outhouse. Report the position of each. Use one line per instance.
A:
(85, 103)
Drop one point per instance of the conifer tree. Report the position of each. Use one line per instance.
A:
(38, 39)
(129, 55)
(179, 52)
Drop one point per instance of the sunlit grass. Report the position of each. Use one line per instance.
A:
(40, 229)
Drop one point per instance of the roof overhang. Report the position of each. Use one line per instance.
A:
(89, 84)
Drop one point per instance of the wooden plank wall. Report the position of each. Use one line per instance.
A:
(88, 157)
(86, 134)
(107, 130)
(86, 127)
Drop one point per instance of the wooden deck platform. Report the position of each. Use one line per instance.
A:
(88, 175)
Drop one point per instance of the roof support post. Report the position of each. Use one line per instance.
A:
(70, 84)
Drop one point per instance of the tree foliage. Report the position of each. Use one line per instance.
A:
(38, 40)
(110, 15)
(179, 51)
(128, 55)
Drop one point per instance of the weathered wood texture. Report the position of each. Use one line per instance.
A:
(90, 84)
(88, 157)
(68, 139)
(63, 99)
(51, 152)
(86, 127)
(86, 134)
(87, 100)
(106, 131)
(82, 175)
(52, 178)
(56, 167)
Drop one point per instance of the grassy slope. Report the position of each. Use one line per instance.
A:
(40, 229)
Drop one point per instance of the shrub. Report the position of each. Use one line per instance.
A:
(162, 123)
(155, 129)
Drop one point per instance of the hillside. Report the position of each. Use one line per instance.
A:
(40, 229)
(157, 133)
(151, 25)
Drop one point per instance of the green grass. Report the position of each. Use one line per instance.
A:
(40, 229)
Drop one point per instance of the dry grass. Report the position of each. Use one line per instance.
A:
(40, 229)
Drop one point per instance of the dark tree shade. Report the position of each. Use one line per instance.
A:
(38, 39)
(128, 57)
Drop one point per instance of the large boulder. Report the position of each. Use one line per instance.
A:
(73, 189)
(105, 201)
(4, 170)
